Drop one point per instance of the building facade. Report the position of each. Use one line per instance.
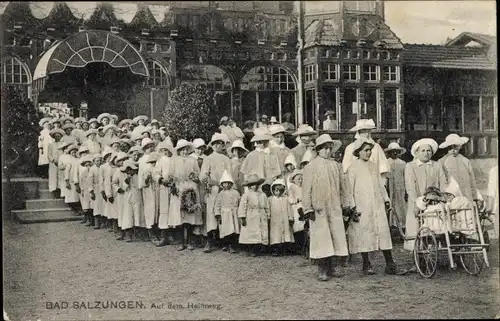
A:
(246, 52)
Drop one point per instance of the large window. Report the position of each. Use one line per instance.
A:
(210, 76)
(268, 78)
(453, 115)
(488, 112)
(471, 112)
(369, 108)
(370, 73)
(390, 115)
(391, 73)
(157, 75)
(350, 108)
(330, 72)
(310, 72)
(15, 73)
(350, 72)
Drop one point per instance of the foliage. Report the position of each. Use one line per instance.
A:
(191, 113)
(19, 131)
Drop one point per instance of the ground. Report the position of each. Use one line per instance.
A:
(68, 262)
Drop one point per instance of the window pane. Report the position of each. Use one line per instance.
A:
(328, 102)
(369, 110)
(453, 115)
(488, 113)
(471, 111)
(390, 110)
(349, 110)
(310, 107)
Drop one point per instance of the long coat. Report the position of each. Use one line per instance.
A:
(418, 177)
(397, 191)
(324, 192)
(372, 232)
(132, 204)
(263, 163)
(295, 200)
(61, 176)
(254, 207)
(105, 181)
(212, 169)
(97, 187)
(162, 170)
(72, 165)
(281, 214)
(460, 168)
(111, 208)
(236, 173)
(53, 154)
(226, 206)
(93, 145)
(85, 180)
(44, 140)
(117, 182)
(148, 191)
(282, 152)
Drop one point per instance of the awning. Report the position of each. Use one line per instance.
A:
(90, 46)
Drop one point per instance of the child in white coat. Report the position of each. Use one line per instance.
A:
(161, 176)
(226, 213)
(281, 227)
(295, 200)
(86, 186)
(71, 196)
(132, 198)
(97, 203)
(117, 182)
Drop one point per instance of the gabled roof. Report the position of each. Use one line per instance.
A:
(438, 56)
(465, 37)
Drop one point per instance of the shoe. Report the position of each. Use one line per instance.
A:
(323, 271)
(274, 253)
(121, 236)
(253, 254)
(181, 247)
(368, 271)
(191, 247)
(232, 251)
(208, 248)
(163, 242)
(225, 249)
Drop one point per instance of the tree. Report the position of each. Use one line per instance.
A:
(191, 113)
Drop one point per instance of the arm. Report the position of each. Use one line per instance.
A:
(267, 208)
(351, 178)
(292, 198)
(107, 183)
(205, 170)
(472, 176)
(242, 208)
(346, 192)
(410, 183)
(218, 205)
(307, 189)
(443, 177)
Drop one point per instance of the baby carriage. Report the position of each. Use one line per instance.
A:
(451, 225)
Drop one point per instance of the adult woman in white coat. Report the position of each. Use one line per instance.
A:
(161, 176)
(44, 140)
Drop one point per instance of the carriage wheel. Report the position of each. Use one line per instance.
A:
(471, 262)
(426, 252)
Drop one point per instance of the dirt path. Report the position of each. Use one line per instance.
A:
(68, 262)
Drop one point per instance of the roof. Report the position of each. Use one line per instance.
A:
(465, 37)
(439, 56)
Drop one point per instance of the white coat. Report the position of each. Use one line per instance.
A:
(61, 167)
(255, 208)
(53, 155)
(378, 157)
(397, 191)
(281, 214)
(493, 193)
(226, 206)
(117, 182)
(162, 170)
(460, 168)
(97, 187)
(110, 192)
(86, 185)
(103, 187)
(132, 204)
(44, 140)
(72, 165)
(294, 198)
(148, 191)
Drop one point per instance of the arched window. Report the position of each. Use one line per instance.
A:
(14, 72)
(210, 76)
(158, 76)
(268, 79)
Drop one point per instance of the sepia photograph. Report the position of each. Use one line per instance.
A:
(249, 160)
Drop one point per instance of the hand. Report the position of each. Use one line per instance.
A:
(148, 180)
(92, 195)
(406, 197)
(111, 199)
(78, 189)
(243, 221)
(219, 219)
(127, 180)
(103, 194)
(387, 206)
(120, 190)
(68, 185)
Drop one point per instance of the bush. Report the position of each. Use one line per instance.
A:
(191, 113)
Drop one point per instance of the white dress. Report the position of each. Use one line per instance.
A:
(148, 192)
(71, 196)
(162, 170)
(132, 204)
(44, 140)
(280, 213)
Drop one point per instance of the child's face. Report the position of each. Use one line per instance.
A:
(278, 190)
(138, 141)
(227, 185)
(73, 153)
(116, 146)
(290, 168)
(88, 164)
(94, 125)
(68, 131)
(303, 164)
(146, 135)
(157, 136)
(298, 180)
(97, 161)
(136, 156)
(105, 121)
(141, 122)
(155, 126)
(253, 188)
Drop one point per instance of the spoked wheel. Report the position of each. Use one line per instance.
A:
(471, 262)
(426, 252)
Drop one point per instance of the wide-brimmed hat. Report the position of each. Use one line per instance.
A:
(146, 130)
(295, 173)
(325, 139)
(308, 156)
(103, 115)
(63, 145)
(57, 131)
(87, 159)
(79, 120)
(363, 124)
(90, 132)
(153, 157)
(137, 118)
(182, 143)
(121, 156)
(218, 137)
(126, 141)
(128, 164)
(224, 118)
(97, 155)
(261, 134)
(330, 113)
(135, 148)
(276, 129)
(304, 130)
(146, 142)
(273, 120)
(68, 126)
(84, 148)
(93, 120)
(226, 178)
(44, 120)
(124, 121)
(165, 145)
(154, 121)
(290, 159)
(199, 142)
(424, 141)
(72, 147)
(453, 139)
(359, 142)
(107, 150)
(110, 126)
(253, 179)
(135, 136)
(263, 116)
(394, 146)
(65, 118)
(238, 144)
(113, 117)
(114, 140)
(56, 120)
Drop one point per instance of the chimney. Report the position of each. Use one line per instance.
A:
(380, 9)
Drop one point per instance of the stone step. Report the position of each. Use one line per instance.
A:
(45, 215)
(44, 194)
(44, 203)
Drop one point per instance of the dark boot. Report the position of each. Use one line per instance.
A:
(98, 223)
(367, 266)
(208, 247)
(323, 270)
(332, 271)
(164, 239)
(151, 235)
(110, 225)
(121, 235)
(85, 219)
(91, 220)
(129, 234)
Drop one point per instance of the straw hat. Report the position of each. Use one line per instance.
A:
(137, 118)
(199, 142)
(114, 117)
(113, 141)
(226, 177)
(124, 121)
(57, 131)
(93, 120)
(103, 115)
(90, 132)
(308, 156)
(363, 124)
(304, 130)
(83, 149)
(165, 145)
(273, 120)
(107, 150)
(72, 147)
(110, 126)
(145, 130)
(68, 126)
(359, 142)
(218, 137)
(71, 119)
(182, 143)
(223, 119)
(153, 157)
(395, 146)
(63, 145)
(261, 134)
(44, 120)
(276, 129)
(87, 159)
(330, 113)
(128, 164)
(238, 144)
(135, 148)
(154, 121)
(56, 120)
(290, 159)
(324, 139)
(453, 139)
(120, 156)
(146, 142)
(95, 156)
(295, 173)
(253, 179)
(424, 141)
(79, 120)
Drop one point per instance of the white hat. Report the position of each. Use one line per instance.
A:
(308, 156)
(453, 139)
(146, 130)
(44, 120)
(79, 120)
(226, 177)
(198, 142)
(290, 159)
(135, 148)
(110, 126)
(93, 120)
(66, 126)
(238, 144)
(114, 140)
(128, 164)
(219, 137)
(278, 181)
(72, 147)
(91, 131)
(124, 121)
(424, 141)
(276, 129)
(103, 115)
(86, 159)
(395, 146)
(107, 150)
(136, 119)
(56, 131)
(295, 173)
(273, 120)
(114, 117)
(261, 134)
(146, 141)
(153, 121)
(360, 141)
(363, 124)
(224, 118)
(183, 143)
(121, 156)
(63, 145)
(165, 145)
(153, 157)
(325, 138)
(83, 148)
(303, 130)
